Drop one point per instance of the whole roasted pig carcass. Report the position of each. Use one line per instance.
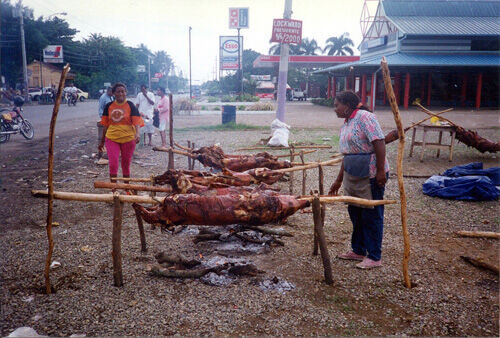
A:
(214, 157)
(244, 208)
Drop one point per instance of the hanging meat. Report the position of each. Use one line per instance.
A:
(214, 157)
(472, 139)
(246, 208)
(227, 177)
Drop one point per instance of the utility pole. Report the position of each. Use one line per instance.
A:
(23, 48)
(149, 72)
(240, 66)
(190, 84)
(283, 70)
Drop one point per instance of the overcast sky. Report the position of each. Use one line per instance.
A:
(163, 24)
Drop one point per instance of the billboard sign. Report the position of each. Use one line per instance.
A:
(238, 17)
(228, 52)
(141, 68)
(53, 54)
(287, 31)
(260, 77)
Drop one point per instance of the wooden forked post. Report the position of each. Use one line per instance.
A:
(304, 173)
(318, 230)
(292, 155)
(189, 158)
(117, 240)
(50, 170)
(171, 131)
(401, 148)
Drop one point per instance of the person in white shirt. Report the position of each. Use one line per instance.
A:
(145, 102)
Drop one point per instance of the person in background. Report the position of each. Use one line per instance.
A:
(163, 108)
(121, 123)
(145, 102)
(105, 98)
(363, 173)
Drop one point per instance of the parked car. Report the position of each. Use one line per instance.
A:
(298, 94)
(82, 96)
(34, 94)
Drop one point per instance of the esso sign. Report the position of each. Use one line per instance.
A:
(230, 46)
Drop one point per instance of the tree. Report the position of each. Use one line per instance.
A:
(308, 47)
(276, 49)
(340, 45)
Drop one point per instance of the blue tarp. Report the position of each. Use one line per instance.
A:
(468, 182)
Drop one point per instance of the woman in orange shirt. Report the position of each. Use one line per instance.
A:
(121, 121)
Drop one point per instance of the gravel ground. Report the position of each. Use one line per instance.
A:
(450, 297)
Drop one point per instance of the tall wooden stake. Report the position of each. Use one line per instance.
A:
(142, 235)
(401, 148)
(171, 131)
(292, 156)
(189, 158)
(52, 128)
(117, 240)
(318, 229)
(304, 173)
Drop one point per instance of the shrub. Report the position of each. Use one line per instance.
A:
(323, 102)
(242, 107)
(212, 99)
(228, 98)
(261, 106)
(203, 108)
(247, 98)
(216, 108)
(184, 104)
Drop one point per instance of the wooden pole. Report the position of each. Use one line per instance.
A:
(407, 90)
(479, 234)
(109, 185)
(348, 199)
(189, 157)
(83, 197)
(117, 240)
(401, 148)
(297, 154)
(142, 234)
(479, 89)
(192, 162)
(319, 146)
(309, 166)
(171, 131)
(321, 192)
(50, 171)
(291, 173)
(304, 173)
(480, 264)
(318, 228)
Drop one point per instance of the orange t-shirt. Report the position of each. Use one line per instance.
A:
(120, 118)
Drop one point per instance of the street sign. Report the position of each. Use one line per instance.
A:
(228, 47)
(158, 75)
(238, 17)
(141, 68)
(155, 79)
(53, 54)
(107, 84)
(287, 31)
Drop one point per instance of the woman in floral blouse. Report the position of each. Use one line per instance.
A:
(363, 173)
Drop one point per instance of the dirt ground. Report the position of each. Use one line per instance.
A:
(449, 296)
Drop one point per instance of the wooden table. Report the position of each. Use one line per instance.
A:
(424, 144)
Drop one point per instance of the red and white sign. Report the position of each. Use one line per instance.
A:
(53, 54)
(158, 75)
(233, 17)
(287, 31)
(228, 46)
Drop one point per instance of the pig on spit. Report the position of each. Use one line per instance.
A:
(252, 208)
(214, 157)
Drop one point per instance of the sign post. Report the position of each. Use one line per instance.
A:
(238, 18)
(288, 32)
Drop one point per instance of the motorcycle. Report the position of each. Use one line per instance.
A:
(12, 122)
(71, 99)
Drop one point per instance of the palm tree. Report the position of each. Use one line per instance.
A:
(276, 49)
(309, 47)
(339, 45)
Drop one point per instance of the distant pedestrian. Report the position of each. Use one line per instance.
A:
(105, 98)
(145, 102)
(121, 123)
(163, 108)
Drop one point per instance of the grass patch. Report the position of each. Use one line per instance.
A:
(231, 126)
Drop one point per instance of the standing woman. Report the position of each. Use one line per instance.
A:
(163, 110)
(121, 123)
(363, 173)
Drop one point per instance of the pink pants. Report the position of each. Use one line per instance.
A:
(113, 149)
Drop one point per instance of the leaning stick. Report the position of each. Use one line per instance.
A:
(182, 147)
(297, 154)
(401, 147)
(175, 151)
(319, 146)
(479, 263)
(309, 165)
(319, 232)
(109, 185)
(348, 199)
(52, 128)
(427, 118)
(84, 197)
(479, 234)
(431, 114)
